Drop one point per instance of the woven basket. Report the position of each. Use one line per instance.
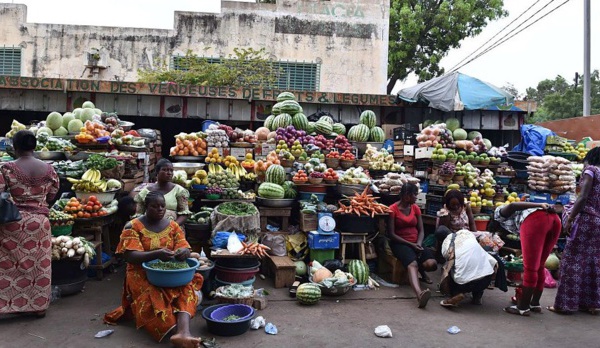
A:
(249, 300)
(114, 173)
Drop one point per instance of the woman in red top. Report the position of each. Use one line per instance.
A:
(406, 235)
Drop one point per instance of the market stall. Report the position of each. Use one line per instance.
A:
(97, 158)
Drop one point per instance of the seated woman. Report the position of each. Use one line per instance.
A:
(455, 215)
(406, 235)
(473, 267)
(176, 197)
(158, 310)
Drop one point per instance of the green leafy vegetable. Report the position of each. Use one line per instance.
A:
(100, 162)
(232, 317)
(237, 208)
(169, 265)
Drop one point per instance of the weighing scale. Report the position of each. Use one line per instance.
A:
(326, 223)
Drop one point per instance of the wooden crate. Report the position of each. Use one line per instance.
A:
(308, 222)
(391, 269)
(282, 269)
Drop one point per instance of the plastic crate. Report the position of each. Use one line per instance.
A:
(436, 189)
(423, 165)
(431, 208)
(322, 255)
(435, 198)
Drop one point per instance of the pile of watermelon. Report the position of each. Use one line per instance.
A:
(366, 130)
(275, 185)
(287, 112)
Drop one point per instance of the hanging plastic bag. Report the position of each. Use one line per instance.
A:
(549, 282)
(233, 244)
(277, 243)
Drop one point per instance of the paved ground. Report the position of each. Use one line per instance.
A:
(348, 321)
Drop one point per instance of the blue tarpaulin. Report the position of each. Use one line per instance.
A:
(533, 139)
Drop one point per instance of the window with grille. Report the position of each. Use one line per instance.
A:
(10, 61)
(294, 76)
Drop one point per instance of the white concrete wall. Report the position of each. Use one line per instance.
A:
(348, 37)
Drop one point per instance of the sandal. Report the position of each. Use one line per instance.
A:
(535, 309)
(423, 298)
(453, 301)
(516, 310)
(557, 311)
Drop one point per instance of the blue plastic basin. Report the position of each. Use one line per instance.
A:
(305, 196)
(171, 278)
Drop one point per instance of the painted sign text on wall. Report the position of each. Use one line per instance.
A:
(175, 90)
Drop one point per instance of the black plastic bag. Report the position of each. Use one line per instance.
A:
(333, 265)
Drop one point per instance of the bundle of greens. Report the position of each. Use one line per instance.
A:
(100, 162)
(237, 208)
(169, 265)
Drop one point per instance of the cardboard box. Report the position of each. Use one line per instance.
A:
(223, 151)
(240, 152)
(409, 150)
(388, 129)
(421, 198)
(550, 198)
(424, 152)
(320, 241)
(308, 222)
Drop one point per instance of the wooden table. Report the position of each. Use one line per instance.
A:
(96, 231)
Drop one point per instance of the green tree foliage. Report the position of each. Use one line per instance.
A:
(558, 99)
(423, 31)
(246, 67)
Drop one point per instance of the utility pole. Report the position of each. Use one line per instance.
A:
(587, 87)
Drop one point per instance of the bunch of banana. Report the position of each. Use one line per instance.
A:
(250, 176)
(237, 170)
(214, 168)
(91, 181)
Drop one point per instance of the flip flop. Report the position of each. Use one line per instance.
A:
(557, 311)
(517, 311)
(424, 297)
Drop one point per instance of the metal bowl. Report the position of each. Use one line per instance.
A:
(103, 197)
(350, 190)
(275, 203)
(126, 125)
(335, 290)
(189, 168)
(49, 155)
(189, 158)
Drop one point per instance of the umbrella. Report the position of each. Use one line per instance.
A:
(455, 92)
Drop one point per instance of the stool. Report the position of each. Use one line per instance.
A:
(389, 263)
(283, 213)
(353, 238)
(282, 269)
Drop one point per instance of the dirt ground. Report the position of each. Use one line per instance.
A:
(348, 321)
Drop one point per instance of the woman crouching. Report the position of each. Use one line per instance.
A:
(158, 310)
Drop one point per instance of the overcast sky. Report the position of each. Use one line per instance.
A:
(553, 46)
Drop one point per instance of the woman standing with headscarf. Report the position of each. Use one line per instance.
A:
(25, 255)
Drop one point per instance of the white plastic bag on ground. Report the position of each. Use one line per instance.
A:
(383, 331)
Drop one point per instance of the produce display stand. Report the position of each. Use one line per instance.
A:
(97, 231)
(269, 212)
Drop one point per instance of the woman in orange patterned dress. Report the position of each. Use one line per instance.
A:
(25, 245)
(158, 310)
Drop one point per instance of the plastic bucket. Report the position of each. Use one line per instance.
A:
(207, 124)
(482, 225)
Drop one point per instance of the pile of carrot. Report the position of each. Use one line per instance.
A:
(254, 248)
(363, 204)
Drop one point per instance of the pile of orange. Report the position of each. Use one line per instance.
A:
(330, 175)
(189, 147)
(90, 132)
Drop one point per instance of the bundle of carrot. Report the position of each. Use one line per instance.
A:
(363, 204)
(254, 248)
